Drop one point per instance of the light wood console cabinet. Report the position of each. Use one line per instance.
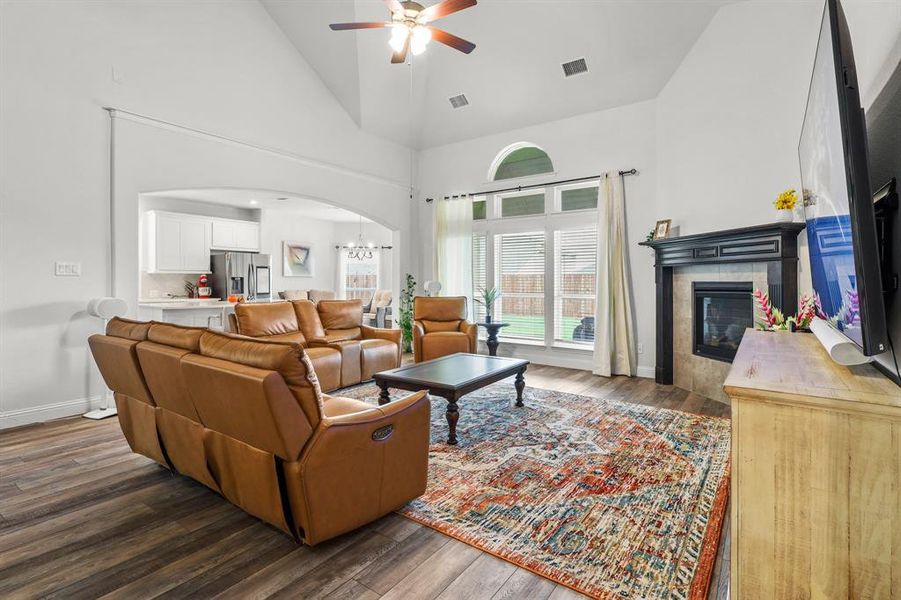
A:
(816, 474)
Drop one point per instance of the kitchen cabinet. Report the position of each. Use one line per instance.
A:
(176, 243)
(229, 234)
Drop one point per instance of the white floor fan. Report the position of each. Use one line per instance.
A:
(105, 308)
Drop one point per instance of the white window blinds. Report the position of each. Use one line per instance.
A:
(575, 268)
(479, 271)
(519, 269)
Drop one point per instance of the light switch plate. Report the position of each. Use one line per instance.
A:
(67, 269)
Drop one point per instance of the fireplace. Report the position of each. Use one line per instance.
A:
(721, 313)
(766, 254)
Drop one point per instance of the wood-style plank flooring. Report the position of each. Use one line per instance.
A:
(83, 517)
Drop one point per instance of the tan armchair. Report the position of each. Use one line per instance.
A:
(440, 327)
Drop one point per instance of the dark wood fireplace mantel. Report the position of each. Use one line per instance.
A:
(775, 244)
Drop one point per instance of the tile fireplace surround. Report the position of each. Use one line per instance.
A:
(764, 255)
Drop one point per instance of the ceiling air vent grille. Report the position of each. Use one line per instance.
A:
(575, 67)
(459, 101)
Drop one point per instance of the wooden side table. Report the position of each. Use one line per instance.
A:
(492, 329)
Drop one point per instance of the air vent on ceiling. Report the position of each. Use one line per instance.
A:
(575, 67)
(459, 101)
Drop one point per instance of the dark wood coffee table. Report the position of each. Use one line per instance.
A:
(452, 377)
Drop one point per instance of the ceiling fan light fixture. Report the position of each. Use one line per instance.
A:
(399, 33)
(419, 41)
(411, 28)
(422, 34)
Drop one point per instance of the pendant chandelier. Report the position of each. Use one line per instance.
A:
(358, 249)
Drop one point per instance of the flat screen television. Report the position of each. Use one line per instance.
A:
(838, 206)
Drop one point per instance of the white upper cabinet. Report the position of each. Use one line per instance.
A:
(195, 245)
(167, 242)
(181, 243)
(236, 235)
(176, 243)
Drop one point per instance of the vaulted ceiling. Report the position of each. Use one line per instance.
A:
(512, 79)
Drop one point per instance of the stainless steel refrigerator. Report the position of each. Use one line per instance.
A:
(242, 273)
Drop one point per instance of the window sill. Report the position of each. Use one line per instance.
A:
(539, 344)
(573, 346)
(521, 342)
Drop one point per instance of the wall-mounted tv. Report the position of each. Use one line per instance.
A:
(838, 206)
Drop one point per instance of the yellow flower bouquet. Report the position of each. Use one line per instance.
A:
(786, 200)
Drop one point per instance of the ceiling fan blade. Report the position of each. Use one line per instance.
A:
(442, 9)
(401, 56)
(449, 39)
(343, 26)
(394, 6)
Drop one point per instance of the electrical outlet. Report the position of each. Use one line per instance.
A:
(640, 348)
(67, 269)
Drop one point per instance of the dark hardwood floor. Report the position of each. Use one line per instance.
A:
(83, 517)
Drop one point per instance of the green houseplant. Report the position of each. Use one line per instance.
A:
(487, 297)
(406, 312)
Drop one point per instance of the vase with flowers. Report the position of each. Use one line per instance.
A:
(785, 206)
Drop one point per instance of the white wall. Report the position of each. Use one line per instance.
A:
(222, 67)
(729, 118)
(619, 138)
(278, 226)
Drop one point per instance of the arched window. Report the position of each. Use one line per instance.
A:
(520, 160)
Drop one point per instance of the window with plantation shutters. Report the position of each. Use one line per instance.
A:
(361, 277)
(519, 272)
(479, 271)
(575, 283)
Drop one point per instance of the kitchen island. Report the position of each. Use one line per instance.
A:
(192, 312)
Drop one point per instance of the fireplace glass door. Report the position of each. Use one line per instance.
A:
(722, 312)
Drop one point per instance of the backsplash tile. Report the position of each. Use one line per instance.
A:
(158, 285)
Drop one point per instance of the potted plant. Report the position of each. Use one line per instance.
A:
(487, 297)
(405, 312)
(772, 319)
(785, 206)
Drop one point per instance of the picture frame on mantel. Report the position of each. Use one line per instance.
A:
(661, 229)
(297, 259)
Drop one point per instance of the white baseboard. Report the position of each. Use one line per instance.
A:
(48, 412)
(647, 372)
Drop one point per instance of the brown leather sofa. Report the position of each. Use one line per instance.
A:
(248, 419)
(440, 327)
(343, 351)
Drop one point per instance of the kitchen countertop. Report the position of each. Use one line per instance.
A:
(195, 304)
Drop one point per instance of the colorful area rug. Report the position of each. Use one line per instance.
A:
(611, 499)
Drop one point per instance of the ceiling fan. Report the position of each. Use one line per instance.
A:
(410, 29)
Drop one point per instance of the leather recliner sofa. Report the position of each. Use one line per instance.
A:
(247, 418)
(440, 327)
(343, 351)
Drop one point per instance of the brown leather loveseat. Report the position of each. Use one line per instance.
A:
(343, 351)
(440, 327)
(247, 418)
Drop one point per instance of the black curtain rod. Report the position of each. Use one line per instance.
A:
(520, 188)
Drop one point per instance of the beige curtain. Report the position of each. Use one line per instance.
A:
(614, 341)
(453, 246)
